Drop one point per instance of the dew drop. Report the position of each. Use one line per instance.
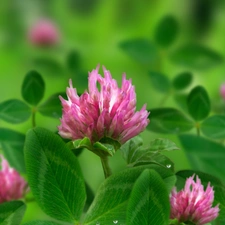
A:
(115, 221)
(168, 166)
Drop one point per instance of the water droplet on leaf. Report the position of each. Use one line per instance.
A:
(168, 166)
(115, 221)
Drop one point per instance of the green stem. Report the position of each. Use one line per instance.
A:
(105, 166)
(33, 117)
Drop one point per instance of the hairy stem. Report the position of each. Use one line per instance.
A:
(105, 166)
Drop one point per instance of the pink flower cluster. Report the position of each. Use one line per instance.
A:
(44, 33)
(110, 112)
(193, 204)
(12, 185)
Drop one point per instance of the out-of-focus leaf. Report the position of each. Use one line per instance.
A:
(160, 81)
(14, 111)
(204, 155)
(12, 143)
(198, 103)
(149, 200)
(141, 50)
(169, 120)
(166, 31)
(214, 127)
(181, 100)
(217, 184)
(196, 56)
(33, 88)
(11, 213)
(73, 61)
(52, 107)
(48, 66)
(44, 222)
(182, 80)
(54, 175)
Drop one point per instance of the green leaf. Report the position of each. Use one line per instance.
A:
(198, 103)
(12, 143)
(54, 175)
(161, 144)
(159, 81)
(11, 213)
(214, 127)
(52, 107)
(112, 196)
(182, 80)
(217, 184)
(140, 49)
(149, 200)
(166, 31)
(33, 88)
(42, 222)
(204, 155)
(181, 100)
(48, 66)
(135, 154)
(196, 56)
(14, 111)
(73, 61)
(169, 120)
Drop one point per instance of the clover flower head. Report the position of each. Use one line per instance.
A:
(44, 33)
(109, 112)
(12, 185)
(193, 203)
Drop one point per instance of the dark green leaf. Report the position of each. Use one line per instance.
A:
(42, 222)
(141, 50)
(196, 56)
(214, 127)
(54, 175)
(12, 144)
(33, 88)
(182, 80)
(80, 79)
(181, 100)
(204, 155)
(198, 103)
(52, 107)
(48, 66)
(11, 213)
(14, 111)
(160, 82)
(149, 200)
(73, 61)
(111, 199)
(169, 120)
(166, 31)
(218, 186)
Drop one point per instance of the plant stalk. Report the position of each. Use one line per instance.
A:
(105, 166)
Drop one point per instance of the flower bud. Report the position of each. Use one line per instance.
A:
(44, 33)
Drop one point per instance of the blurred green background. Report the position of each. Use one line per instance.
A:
(92, 32)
